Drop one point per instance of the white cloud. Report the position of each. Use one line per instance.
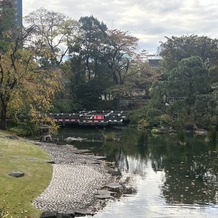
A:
(148, 20)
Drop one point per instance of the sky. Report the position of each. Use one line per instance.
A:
(148, 20)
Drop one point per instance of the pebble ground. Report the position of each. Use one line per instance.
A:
(75, 180)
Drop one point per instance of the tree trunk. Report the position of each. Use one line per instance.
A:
(3, 116)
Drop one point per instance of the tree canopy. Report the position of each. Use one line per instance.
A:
(51, 36)
(185, 93)
(177, 48)
(101, 68)
(24, 89)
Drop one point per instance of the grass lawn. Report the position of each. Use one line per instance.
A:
(17, 194)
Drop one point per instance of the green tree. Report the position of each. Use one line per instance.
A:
(188, 80)
(85, 51)
(87, 68)
(89, 94)
(185, 86)
(177, 48)
(100, 54)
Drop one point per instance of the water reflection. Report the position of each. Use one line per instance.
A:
(190, 173)
(172, 180)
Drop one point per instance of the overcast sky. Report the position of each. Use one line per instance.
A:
(148, 20)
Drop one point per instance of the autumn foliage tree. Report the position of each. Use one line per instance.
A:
(119, 50)
(52, 33)
(103, 57)
(24, 87)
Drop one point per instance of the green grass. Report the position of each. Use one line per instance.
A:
(17, 194)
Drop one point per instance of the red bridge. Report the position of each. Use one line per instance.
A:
(91, 118)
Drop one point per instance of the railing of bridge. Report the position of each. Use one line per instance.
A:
(91, 118)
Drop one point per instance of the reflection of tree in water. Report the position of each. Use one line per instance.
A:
(157, 151)
(130, 155)
(131, 164)
(190, 174)
(122, 161)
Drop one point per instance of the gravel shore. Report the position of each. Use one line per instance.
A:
(77, 176)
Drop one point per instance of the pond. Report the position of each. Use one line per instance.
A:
(172, 180)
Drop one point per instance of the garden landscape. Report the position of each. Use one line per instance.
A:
(160, 157)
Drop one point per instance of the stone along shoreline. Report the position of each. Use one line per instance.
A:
(77, 182)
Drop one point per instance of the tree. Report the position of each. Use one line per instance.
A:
(119, 53)
(106, 55)
(89, 94)
(11, 70)
(85, 51)
(123, 67)
(23, 87)
(183, 97)
(177, 48)
(87, 67)
(188, 80)
(134, 92)
(53, 32)
(185, 86)
(186, 89)
(52, 35)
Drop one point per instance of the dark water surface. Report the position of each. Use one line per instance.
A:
(172, 180)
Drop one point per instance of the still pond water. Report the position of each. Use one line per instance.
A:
(171, 180)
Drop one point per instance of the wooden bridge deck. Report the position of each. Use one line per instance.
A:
(91, 118)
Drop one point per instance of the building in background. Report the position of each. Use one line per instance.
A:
(19, 11)
(154, 60)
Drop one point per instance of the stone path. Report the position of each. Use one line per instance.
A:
(76, 178)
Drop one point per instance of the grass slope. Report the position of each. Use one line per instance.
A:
(17, 194)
